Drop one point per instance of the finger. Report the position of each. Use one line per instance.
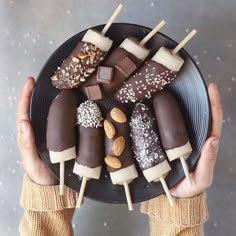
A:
(203, 175)
(26, 142)
(217, 114)
(24, 102)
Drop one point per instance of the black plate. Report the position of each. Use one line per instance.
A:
(189, 89)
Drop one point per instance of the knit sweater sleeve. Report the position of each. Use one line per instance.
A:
(46, 212)
(186, 218)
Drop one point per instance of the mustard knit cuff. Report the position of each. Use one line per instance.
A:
(186, 212)
(36, 197)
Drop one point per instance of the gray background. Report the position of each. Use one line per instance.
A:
(31, 30)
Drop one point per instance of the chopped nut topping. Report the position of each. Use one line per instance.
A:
(90, 70)
(54, 78)
(71, 74)
(82, 55)
(75, 59)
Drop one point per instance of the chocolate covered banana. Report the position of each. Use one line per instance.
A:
(61, 130)
(147, 148)
(154, 75)
(85, 58)
(119, 65)
(118, 147)
(88, 163)
(172, 129)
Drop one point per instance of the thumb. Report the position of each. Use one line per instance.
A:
(27, 140)
(205, 169)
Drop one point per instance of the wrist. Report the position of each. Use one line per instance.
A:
(44, 178)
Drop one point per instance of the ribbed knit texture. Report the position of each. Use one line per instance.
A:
(46, 198)
(184, 219)
(46, 212)
(49, 214)
(58, 223)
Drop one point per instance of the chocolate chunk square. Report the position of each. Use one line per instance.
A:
(104, 74)
(93, 92)
(126, 66)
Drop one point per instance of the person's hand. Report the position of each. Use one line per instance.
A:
(33, 165)
(202, 177)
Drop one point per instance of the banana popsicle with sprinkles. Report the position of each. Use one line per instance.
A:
(154, 75)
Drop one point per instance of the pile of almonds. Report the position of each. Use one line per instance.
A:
(118, 145)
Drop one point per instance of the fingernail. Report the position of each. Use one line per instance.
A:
(23, 127)
(215, 144)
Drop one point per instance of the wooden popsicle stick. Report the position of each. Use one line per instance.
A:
(81, 192)
(128, 197)
(152, 33)
(110, 21)
(184, 41)
(167, 191)
(62, 177)
(186, 171)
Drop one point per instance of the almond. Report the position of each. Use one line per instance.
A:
(113, 162)
(82, 55)
(118, 115)
(109, 129)
(118, 146)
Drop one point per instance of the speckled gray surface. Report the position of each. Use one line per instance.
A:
(31, 30)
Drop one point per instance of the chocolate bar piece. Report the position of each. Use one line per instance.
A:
(93, 92)
(126, 66)
(104, 74)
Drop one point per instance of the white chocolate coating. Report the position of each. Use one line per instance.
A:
(132, 47)
(183, 151)
(66, 155)
(100, 41)
(124, 175)
(166, 58)
(85, 171)
(155, 172)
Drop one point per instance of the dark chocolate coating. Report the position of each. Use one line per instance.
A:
(91, 146)
(77, 72)
(146, 144)
(147, 81)
(122, 129)
(118, 78)
(170, 121)
(61, 122)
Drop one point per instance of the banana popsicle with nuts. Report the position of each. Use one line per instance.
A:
(118, 149)
(85, 57)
